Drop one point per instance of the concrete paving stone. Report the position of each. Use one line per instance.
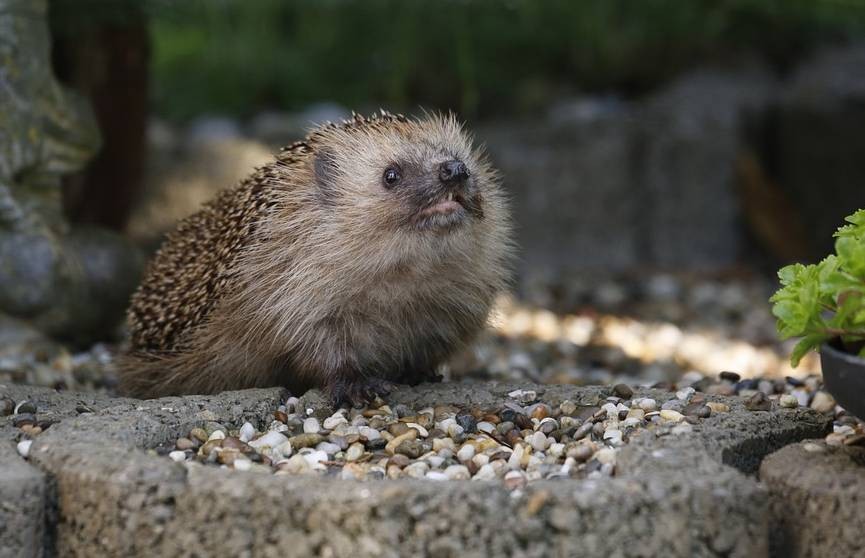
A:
(817, 500)
(682, 495)
(22, 505)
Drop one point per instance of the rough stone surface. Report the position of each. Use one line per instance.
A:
(22, 505)
(671, 496)
(68, 282)
(817, 500)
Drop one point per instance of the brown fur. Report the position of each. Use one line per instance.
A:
(312, 273)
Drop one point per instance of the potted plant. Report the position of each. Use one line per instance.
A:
(824, 304)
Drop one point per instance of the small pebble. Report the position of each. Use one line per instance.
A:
(330, 422)
(311, 426)
(466, 452)
(457, 472)
(24, 448)
(247, 431)
(718, 407)
(758, 402)
(354, 452)
(671, 415)
(648, 405)
(823, 402)
(177, 455)
(788, 401)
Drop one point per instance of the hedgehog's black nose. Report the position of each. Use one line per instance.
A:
(453, 172)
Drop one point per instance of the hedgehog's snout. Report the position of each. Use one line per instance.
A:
(453, 172)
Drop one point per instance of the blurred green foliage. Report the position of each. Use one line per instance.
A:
(476, 56)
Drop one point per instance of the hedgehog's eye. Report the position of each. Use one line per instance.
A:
(391, 176)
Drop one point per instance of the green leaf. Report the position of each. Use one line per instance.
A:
(792, 318)
(851, 254)
(789, 273)
(806, 344)
(818, 302)
(856, 228)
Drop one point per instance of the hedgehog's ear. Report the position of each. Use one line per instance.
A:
(326, 170)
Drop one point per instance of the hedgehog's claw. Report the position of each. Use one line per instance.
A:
(359, 392)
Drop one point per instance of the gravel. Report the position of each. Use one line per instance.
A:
(524, 441)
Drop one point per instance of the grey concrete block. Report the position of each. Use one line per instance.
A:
(22, 505)
(673, 495)
(817, 500)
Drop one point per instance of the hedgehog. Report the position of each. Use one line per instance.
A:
(361, 257)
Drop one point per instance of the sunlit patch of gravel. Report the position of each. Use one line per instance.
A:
(633, 330)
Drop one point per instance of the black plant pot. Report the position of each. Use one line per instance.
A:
(844, 377)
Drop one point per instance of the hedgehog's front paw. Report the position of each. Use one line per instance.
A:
(357, 392)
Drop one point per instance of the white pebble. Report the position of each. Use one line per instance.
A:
(648, 404)
(315, 457)
(311, 426)
(242, 464)
(613, 435)
(538, 440)
(297, 464)
(420, 429)
(515, 479)
(24, 447)
(685, 393)
(271, 439)
(466, 452)
(354, 452)
(454, 430)
(435, 461)
(282, 451)
(486, 427)
(368, 432)
(606, 455)
(216, 435)
(332, 422)
(557, 449)
(611, 409)
(446, 423)
(485, 473)
(328, 448)
(416, 470)
(435, 476)
(247, 431)
(481, 459)
(457, 472)
(177, 455)
(801, 396)
(516, 458)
